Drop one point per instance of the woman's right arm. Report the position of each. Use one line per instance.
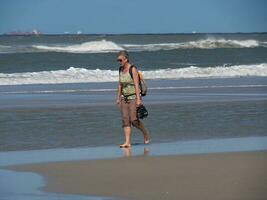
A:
(118, 101)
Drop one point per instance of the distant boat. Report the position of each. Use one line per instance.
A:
(33, 32)
(36, 32)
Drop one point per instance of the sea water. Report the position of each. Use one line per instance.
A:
(59, 90)
(207, 93)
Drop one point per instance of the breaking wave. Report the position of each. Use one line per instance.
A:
(209, 43)
(104, 46)
(87, 47)
(82, 75)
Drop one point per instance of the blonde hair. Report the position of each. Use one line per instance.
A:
(124, 54)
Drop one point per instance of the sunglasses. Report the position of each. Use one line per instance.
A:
(119, 60)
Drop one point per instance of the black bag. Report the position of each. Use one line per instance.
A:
(141, 112)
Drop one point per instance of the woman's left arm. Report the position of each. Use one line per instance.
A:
(136, 86)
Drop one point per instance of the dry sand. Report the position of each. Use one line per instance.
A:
(221, 176)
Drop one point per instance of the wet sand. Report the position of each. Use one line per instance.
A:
(219, 176)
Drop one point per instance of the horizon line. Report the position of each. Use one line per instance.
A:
(170, 33)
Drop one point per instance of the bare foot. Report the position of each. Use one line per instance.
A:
(146, 139)
(125, 145)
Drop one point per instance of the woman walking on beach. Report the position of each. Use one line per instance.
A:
(128, 98)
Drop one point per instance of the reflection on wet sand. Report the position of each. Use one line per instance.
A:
(128, 152)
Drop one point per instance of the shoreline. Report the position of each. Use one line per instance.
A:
(202, 155)
(239, 175)
(204, 146)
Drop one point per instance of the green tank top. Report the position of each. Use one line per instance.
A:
(127, 85)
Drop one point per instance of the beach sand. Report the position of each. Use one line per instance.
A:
(218, 176)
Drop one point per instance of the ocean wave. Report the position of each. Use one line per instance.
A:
(102, 46)
(209, 43)
(6, 49)
(82, 75)
(105, 46)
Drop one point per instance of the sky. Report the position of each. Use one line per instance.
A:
(133, 16)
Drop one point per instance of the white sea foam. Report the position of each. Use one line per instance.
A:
(81, 75)
(6, 49)
(209, 72)
(105, 46)
(209, 43)
(102, 46)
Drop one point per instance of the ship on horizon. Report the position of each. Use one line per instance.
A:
(33, 32)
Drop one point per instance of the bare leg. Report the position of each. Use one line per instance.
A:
(127, 134)
(141, 127)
